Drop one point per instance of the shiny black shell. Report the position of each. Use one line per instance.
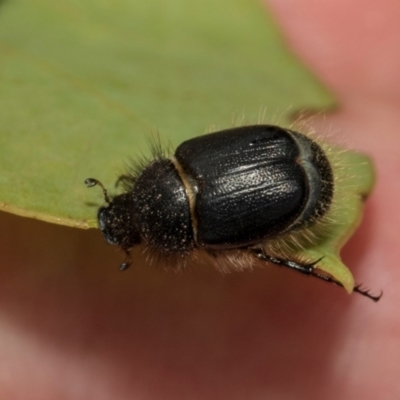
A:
(254, 183)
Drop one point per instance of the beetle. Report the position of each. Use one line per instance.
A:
(232, 196)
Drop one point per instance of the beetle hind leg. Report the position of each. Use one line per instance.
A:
(309, 269)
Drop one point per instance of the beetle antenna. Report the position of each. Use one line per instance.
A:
(309, 269)
(90, 182)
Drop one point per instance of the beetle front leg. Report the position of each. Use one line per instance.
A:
(125, 180)
(128, 260)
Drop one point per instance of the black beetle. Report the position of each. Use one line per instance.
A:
(224, 194)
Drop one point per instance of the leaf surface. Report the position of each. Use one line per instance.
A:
(83, 84)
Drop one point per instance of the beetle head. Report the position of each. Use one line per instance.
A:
(117, 223)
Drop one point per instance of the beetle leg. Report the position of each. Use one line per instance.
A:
(128, 261)
(309, 269)
(125, 181)
(366, 292)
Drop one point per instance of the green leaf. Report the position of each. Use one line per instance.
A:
(84, 83)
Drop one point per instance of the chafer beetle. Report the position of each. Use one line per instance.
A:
(233, 195)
